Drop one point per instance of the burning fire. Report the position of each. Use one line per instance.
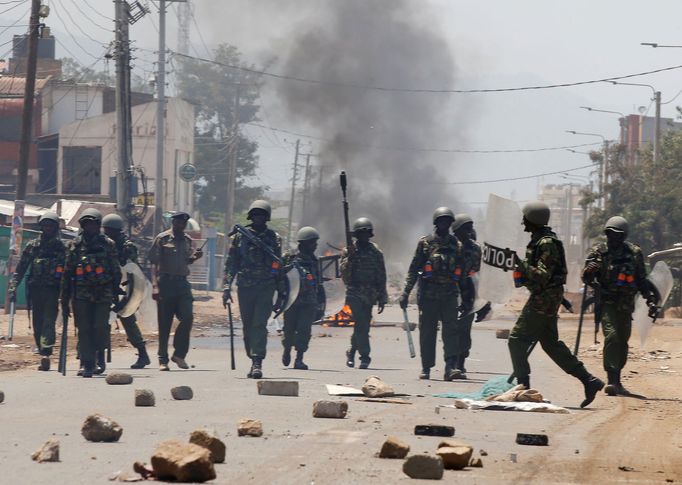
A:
(344, 318)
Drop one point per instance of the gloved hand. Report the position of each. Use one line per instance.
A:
(654, 310)
(227, 296)
(12, 291)
(402, 301)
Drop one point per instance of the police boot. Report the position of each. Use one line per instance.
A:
(459, 367)
(364, 362)
(101, 363)
(611, 387)
(286, 356)
(524, 381)
(298, 363)
(88, 369)
(451, 371)
(44, 363)
(81, 368)
(620, 390)
(350, 357)
(142, 357)
(460, 364)
(592, 386)
(425, 374)
(257, 368)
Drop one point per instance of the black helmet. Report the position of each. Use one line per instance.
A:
(307, 234)
(49, 216)
(617, 224)
(180, 215)
(443, 212)
(263, 205)
(90, 214)
(536, 212)
(460, 220)
(363, 224)
(113, 221)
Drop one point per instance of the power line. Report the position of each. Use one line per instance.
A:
(7, 27)
(425, 90)
(515, 178)
(12, 7)
(88, 17)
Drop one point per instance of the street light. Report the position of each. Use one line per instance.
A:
(603, 111)
(655, 45)
(603, 170)
(657, 123)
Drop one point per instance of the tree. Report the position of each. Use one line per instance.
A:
(73, 70)
(213, 87)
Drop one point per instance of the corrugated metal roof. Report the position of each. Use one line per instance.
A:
(14, 85)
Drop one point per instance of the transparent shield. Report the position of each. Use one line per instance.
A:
(662, 278)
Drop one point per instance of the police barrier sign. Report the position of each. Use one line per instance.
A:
(498, 257)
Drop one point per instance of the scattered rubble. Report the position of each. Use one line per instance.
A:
(183, 462)
(455, 457)
(428, 467)
(119, 379)
(208, 438)
(532, 439)
(2, 396)
(48, 452)
(502, 333)
(476, 463)
(518, 393)
(330, 409)
(144, 398)
(182, 393)
(278, 388)
(394, 448)
(434, 430)
(143, 470)
(375, 387)
(250, 427)
(99, 428)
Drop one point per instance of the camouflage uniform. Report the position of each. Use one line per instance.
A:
(92, 275)
(364, 274)
(437, 265)
(173, 255)
(543, 272)
(299, 317)
(257, 279)
(620, 276)
(43, 259)
(127, 252)
(471, 255)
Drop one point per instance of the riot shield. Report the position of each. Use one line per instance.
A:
(502, 235)
(292, 280)
(135, 289)
(662, 279)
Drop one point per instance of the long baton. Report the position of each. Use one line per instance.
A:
(229, 314)
(410, 343)
(63, 344)
(580, 321)
(10, 325)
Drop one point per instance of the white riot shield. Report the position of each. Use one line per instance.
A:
(502, 231)
(147, 313)
(662, 279)
(293, 286)
(135, 289)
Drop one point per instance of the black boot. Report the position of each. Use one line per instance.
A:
(611, 388)
(451, 372)
(620, 390)
(364, 362)
(350, 357)
(142, 357)
(44, 363)
(592, 386)
(460, 364)
(524, 381)
(257, 368)
(298, 363)
(425, 374)
(88, 369)
(286, 356)
(101, 363)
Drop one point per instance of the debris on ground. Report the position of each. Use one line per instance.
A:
(182, 462)
(98, 428)
(476, 462)
(502, 333)
(455, 457)
(182, 393)
(375, 387)
(278, 388)
(208, 438)
(518, 393)
(532, 439)
(426, 467)
(143, 470)
(2, 396)
(535, 407)
(119, 379)
(330, 409)
(492, 387)
(250, 427)
(337, 390)
(394, 448)
(434, 430)
(624, 468)
(49, 452)
(144, 398)
(387, 401)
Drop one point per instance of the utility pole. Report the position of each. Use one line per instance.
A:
(293, 194)
(604, 176)
(657, 127)
(160, 119)
(306, 186)
(124, 130)
(233, 156)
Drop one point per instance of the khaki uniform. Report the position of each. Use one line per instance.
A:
(172, 254)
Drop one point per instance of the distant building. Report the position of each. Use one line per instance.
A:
(568, 217)
(637, 131)
(47, 64)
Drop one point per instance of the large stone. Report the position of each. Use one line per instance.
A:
(208, 438)
(330, 409)
(250, 427)
(48, 452)
(427, 467)
(502, 333)
(455, 458)
(394, 448)
(476, 463)
(144, 398)
(375, 387)
(119, 379)
(182, 393)
(454, 444)
(278, 388)
(182, 462)
(99, 428)
(2, 396)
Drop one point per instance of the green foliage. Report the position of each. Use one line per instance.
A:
(72, 70)
(648, 195)
(213, 88)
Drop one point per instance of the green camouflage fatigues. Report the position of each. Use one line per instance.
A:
(127, 252)
(257, 279)
(620, 276)
(471, 254)
(172, 255)
(299, 318)
(43, 259)
(438, 265)
(92, 275)
(364, 274)
(543, 272)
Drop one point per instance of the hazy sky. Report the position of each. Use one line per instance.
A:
(495, 43)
